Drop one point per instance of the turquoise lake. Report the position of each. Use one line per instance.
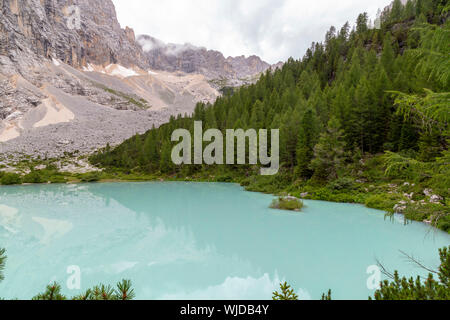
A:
(199, 241)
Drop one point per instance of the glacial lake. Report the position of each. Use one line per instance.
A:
(198, 241)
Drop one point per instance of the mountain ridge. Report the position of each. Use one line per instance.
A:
(37, 29)
(60, 58)
(189, 58)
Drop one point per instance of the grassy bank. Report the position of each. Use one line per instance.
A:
(419, 198)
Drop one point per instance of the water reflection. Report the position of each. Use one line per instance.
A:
(178, 240)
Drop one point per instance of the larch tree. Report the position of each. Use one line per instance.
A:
(396, 11)
(307, 139)
(329, 153)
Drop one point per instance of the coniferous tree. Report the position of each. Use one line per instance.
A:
(430, 146)
(286, 294)
(123, 291)
(329, 153)
(418, 7)
(289, 138)
(388, 55)
(398, 288)
(306, 141)
(396, 11)
(210, 119)
(360, 120)
(426, 7)
(408, 137)
(151, 151)
(166, 164)
(342, 79)
(415, 289)
(361, 23)
(409, 9)
(354, 76)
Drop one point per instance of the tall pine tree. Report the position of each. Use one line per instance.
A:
(307, 139)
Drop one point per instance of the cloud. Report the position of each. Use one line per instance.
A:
(272, 29)
(233, 288)
(238, 288)
(149, 44)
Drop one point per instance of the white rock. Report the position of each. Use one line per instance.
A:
(428, 192)
(409, 196)
(14, 115)
(436, 199)
(398, 208)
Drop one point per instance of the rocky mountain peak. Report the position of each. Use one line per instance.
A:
(77, 32)
(83, 32)
(191, 59)
(72, 79)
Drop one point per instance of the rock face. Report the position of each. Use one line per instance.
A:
(72, 80)
(77, 32)
(82, 32)
(191, 59)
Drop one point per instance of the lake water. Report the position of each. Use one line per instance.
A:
(198, 241)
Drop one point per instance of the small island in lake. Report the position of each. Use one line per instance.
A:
(287, 203)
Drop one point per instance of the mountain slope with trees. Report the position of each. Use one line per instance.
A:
(363, 118)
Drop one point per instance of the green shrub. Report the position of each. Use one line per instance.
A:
(342, 184)
(385, 201)
(289, 204)
(91, 177)
(440, 183)
(44, 176)
(438, 215)
(323, 194)
(34, 177)
(345, 197)
(444, 224)
(246, 182)
(225, 178)
(373, 169)
(268, 184)
(10, 179)
(57, 179)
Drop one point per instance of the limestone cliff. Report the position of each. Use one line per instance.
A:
(72, 80)
(77, 32)
(191, 59)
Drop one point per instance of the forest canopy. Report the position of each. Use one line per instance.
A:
(365, 100)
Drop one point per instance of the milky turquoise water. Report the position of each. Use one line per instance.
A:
(198, 241)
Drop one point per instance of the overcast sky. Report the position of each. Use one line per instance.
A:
(272, 29)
